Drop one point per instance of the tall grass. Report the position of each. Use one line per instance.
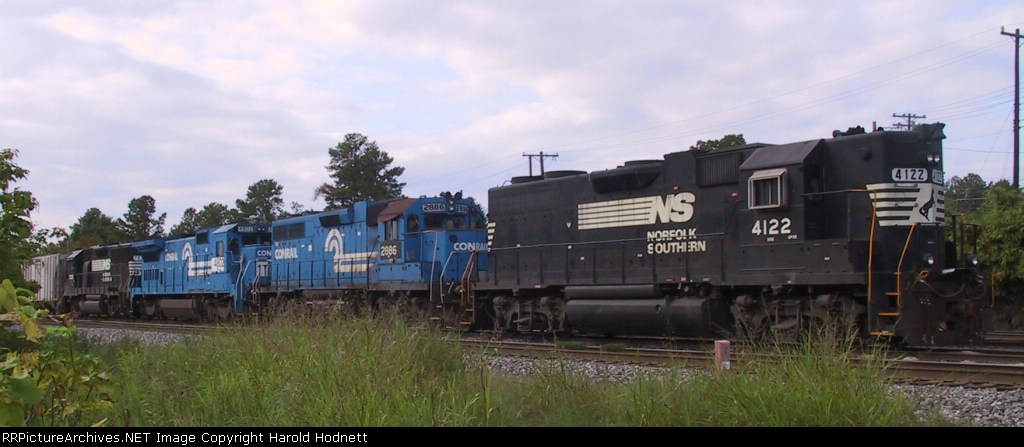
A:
(373, 371)
(814, 383)
(356, 372)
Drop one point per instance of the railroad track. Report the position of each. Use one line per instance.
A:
(168, 327)
(978, 369)
(1005, 338)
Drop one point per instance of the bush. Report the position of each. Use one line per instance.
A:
(44, 381)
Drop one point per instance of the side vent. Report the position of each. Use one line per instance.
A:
(719, 169)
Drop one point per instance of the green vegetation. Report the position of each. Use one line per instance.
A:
(359, 372)
(16, 206)
(141, 221)
(812, 385)
(45, 378)
(379, 372)
(996, 209)
(724, 142)
(263, 203)
(359, 170)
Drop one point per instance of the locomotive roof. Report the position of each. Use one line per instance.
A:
(784, 155)
(395, 208)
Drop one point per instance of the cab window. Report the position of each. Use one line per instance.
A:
(766, 189)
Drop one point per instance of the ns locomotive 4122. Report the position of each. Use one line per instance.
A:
(846, 232)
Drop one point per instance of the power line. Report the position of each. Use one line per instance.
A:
(541, 155)
(910, 120)
(1016, 105)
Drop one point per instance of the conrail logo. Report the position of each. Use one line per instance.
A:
(675, 208)
(345, 262)
(469, 246)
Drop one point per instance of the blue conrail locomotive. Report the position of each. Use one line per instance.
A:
(214, 273)
(411, 251)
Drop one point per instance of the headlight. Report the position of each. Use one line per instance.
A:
(973, 260)
(929, 260)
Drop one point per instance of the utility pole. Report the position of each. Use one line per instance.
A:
(910, 120)
(1016, 105)
(542, 156)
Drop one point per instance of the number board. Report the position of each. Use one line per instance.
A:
(909, 175)
(390, 249)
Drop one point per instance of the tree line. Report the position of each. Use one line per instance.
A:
(358, 169)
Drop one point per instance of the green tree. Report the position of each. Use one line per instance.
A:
(51, 240)
(212, 215)
(964, 194)
(724, 142)
(16, 242)
(1002, 235)
(187, 224)
(263, 202)
(139, 222)
(360, 170)
(94, 228)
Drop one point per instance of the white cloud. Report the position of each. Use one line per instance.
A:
(192, 101)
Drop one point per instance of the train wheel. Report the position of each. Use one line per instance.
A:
(63, 306)
(222, 311)
(755, 328)
(150, 309)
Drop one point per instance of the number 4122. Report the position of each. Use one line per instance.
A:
(770, 227)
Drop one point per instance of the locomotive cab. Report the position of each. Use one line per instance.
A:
(433, 244)
(923, 288)
(779, 183)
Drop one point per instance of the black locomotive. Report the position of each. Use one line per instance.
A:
(847, 232)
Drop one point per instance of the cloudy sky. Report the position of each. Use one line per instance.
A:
(192, 101)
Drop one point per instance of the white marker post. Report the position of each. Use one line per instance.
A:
(722, 352)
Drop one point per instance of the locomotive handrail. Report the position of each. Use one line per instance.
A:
(241, 273)
(899, 267)
(838, 191)
(440, 278)
(433, 262)
(635, 239)
(871, 244)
